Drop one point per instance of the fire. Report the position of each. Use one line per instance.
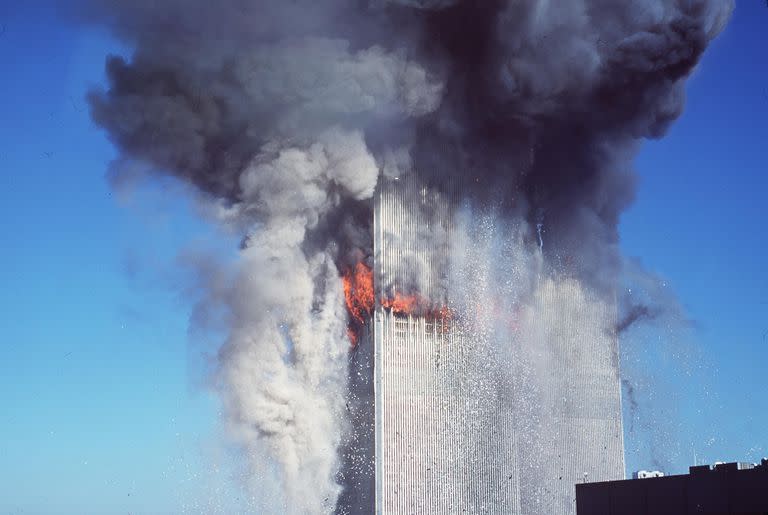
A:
(402, 304)
(359, 298)
(358, 291)
(415, 305)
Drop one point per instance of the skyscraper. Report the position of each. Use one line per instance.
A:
(452, 433)
(430, 453)
(578, 434)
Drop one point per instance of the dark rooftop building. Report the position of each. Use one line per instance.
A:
(726, 488)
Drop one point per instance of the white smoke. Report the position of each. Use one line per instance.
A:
(283, 367)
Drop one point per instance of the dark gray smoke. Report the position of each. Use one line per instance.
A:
(636, 313)
(284, 114)
(630, 401)
(646, 298)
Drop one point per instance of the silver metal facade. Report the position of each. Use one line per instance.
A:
(432, 454)
(443, 443)
(579, 437)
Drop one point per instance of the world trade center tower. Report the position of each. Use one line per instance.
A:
(438, 441)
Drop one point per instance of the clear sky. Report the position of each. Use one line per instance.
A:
(102, 409)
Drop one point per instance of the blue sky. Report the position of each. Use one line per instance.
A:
(102, 410)
(699, 222)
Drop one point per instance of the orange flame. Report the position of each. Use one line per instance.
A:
(402, 304)
(358, 296)
(416, 305)
(358, 291)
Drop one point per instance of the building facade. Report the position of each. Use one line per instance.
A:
(450, 437)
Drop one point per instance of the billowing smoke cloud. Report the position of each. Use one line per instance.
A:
(283, 116)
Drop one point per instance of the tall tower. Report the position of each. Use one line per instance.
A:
(432, 454)
(449, 436)
(577, 436)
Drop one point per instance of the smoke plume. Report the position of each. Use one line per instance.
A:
(284, 116)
